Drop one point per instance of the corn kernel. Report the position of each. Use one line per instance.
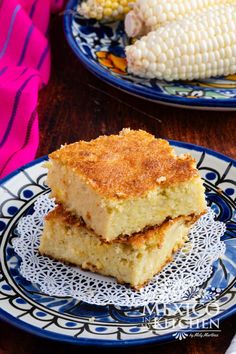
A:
(105, 9)
(210, 54)
(148, 15)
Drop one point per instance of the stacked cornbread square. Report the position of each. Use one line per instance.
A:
(126, 204)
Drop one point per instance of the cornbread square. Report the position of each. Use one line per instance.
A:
(120, 184)
(134, 260)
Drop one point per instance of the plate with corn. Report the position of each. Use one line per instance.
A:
(173, 52)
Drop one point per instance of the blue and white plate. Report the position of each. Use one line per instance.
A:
(100, 47)
(66, 319)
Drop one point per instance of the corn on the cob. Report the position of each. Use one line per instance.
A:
(196, 47)
(148, 15)
(105, 9)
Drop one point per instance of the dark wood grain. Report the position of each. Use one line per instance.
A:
(76, 105)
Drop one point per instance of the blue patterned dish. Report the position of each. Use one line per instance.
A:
(100, 47)
(66, 319)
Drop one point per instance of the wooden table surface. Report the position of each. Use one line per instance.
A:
(76, 105)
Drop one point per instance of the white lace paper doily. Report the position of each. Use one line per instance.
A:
(191, 267)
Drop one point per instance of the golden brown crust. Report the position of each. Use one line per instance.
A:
(64, 216)
(126, 165)
(136, 240)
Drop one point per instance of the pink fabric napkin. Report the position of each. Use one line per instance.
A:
(24, 69)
